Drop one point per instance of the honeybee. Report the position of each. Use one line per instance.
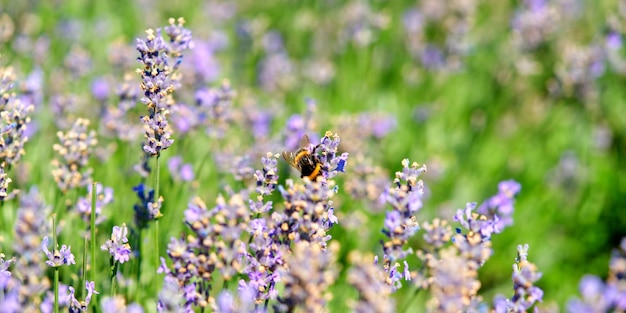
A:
(305, 160)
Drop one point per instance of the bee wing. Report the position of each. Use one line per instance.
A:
(289, 157)
(305, 142)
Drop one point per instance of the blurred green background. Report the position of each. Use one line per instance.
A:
(551, 116)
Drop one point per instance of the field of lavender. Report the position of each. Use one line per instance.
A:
(313, 156)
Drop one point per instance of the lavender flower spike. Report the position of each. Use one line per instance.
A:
(77, 306)
(58, 257)
(525, 295)
(118, 245)
(74, 149)
(159, 82)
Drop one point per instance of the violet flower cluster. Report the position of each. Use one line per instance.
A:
(77, 306)
(14, 118)
(104, 197)
(74, 149)
(57, 258)
(214, 246)
(526, 294)
(115, 120)
(213, 109)
(454, 19)
(218, 243)
(601, 296)
(371, 283)
(118, 245)
(309, 273)
(405, 199)
(118, 304)
(24, 289)
(159, 80)
(451, 271)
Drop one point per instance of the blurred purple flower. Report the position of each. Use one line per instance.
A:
(214, 108)
(118, 245)
(267, 179)
(599, 296)
(100, 89)
(104, 197)
(205, 64)
(405, 198)
(180, 171)
(58, 257)
(244, 302)
(118, 304)
(144, 212)
(309, 273)
(14, 118)
(77, 306)
(499, 208)
(370, 281)
(75, 148)
(30, 226)
(525, 295)
(614, 40)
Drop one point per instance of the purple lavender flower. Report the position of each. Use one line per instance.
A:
(454, 284)
(308, 212)
(47, 306)
(525, 295)
(180, 171)
(276, 70)
(310, 270)
(5, 180)
(453, 19)
(115, 118)
(100, 89)
(370, 282)
(367, 182)
(77, 306)
(118, 245)
(104, 197)
(244, 302)
(578, 68)
(145, 209)
(599, 296)
(214, 108)
(204, 62)
(118, 304)
(332, 162)
(75, 148)
(215, 245)
(5, 274)
(14, 117)
(158, 83)
(58, 257)
(29, 229)
(267, 179)
(171, 297)
(438, 233)
(297, 126)
(405, 198)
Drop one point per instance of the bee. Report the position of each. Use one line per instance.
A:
(304, 160)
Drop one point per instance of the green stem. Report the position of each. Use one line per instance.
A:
(138, 269)
(113, 276)
(156, 199)
(83, 277)
(93, 236)
(54, 232)
(56, 289)
(56, 269)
